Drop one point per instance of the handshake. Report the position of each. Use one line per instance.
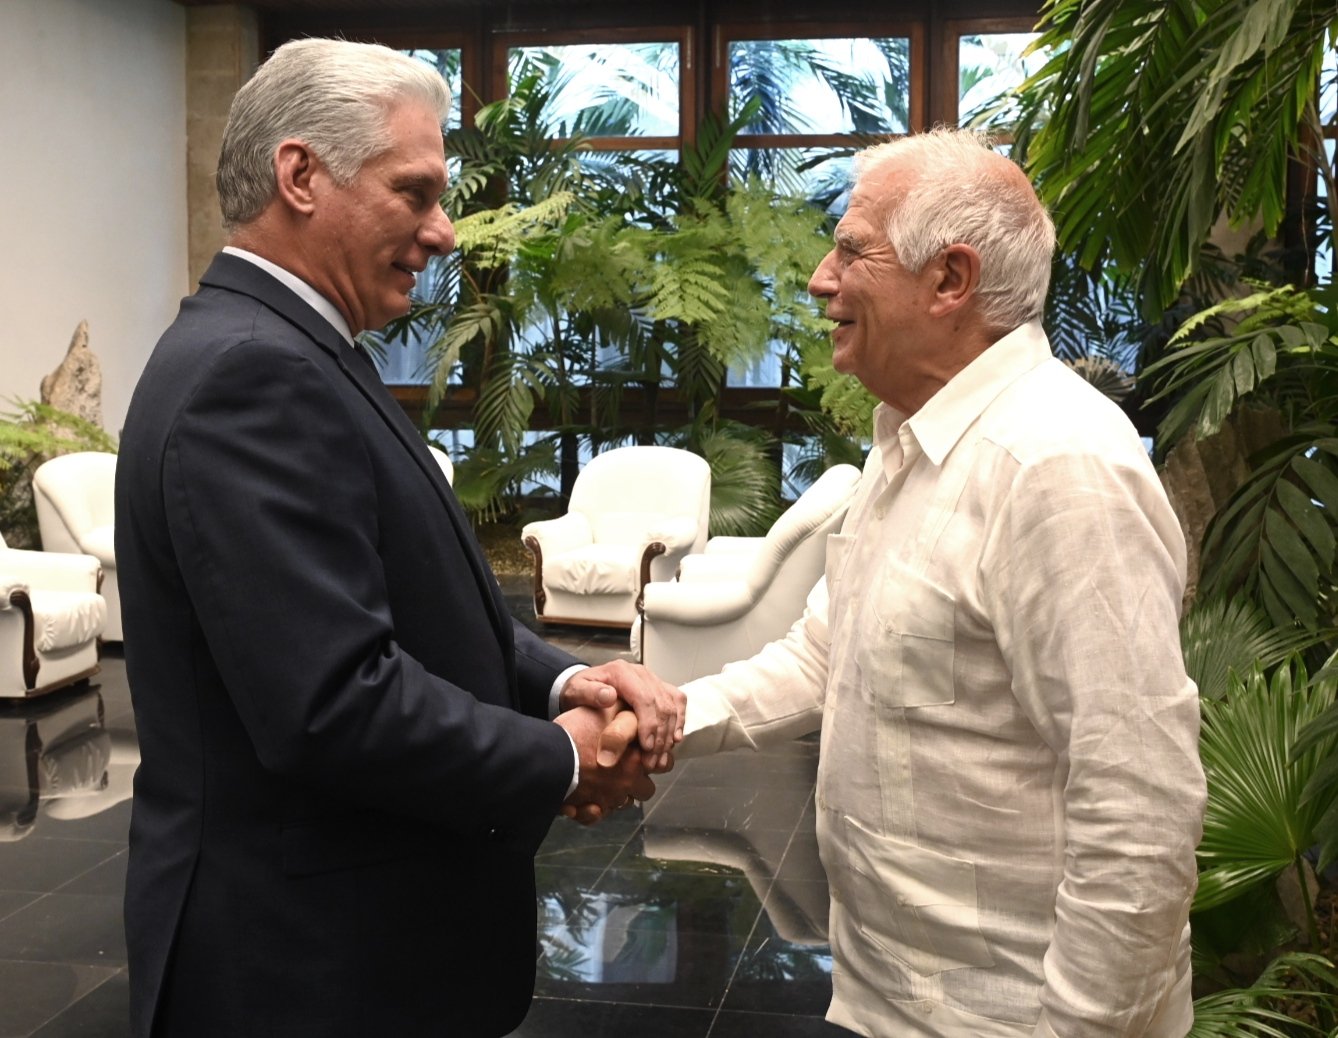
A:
(624, 722)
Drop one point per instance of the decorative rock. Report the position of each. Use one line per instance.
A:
(76, 385)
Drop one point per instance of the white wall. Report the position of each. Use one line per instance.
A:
(92, 187)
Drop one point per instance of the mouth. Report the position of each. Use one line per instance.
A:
(412, 272)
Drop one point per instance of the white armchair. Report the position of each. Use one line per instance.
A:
(741, 592)
(50, 617)
(634, 512)
(74, 494)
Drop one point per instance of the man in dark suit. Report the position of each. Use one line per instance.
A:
(347, 762)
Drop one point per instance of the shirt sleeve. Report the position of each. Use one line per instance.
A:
(773, 697)
(1083, 576)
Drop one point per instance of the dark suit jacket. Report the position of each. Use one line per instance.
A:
(344, 772)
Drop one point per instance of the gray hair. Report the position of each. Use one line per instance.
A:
(962, 192)
(331, 94)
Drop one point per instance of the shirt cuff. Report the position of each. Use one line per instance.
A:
(558, 684)
(553, 711)
(575, 765)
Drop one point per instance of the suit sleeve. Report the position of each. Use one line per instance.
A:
(275, 527)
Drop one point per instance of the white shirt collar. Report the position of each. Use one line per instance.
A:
(946, 415)
(304, 291)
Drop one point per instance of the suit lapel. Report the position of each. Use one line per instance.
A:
(238, 275)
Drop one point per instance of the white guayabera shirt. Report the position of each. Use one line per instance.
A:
(1009, 788)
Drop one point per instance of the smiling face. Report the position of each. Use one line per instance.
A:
(879, 306)
(368, 239)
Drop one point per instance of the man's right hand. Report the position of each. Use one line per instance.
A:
(612, 773)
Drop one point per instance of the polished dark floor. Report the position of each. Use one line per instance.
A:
(701, 913)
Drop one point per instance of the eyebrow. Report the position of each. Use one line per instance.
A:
(421, 180)
(847, 239)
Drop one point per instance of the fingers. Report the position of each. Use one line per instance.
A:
(614, 740)
(660, 708)
(585, 689)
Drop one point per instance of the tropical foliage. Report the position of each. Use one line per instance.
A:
(588, 279)
(1154, 118)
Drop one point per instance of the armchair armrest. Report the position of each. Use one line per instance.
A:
(676, 533)
(561, 534)
(54, 571)
(698, 568)
(733, 545)
(12, 591)
(695, 604)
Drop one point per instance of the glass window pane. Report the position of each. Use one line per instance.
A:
(820, 175)
(1328, 89)
(823, 85)
(447, 64)
(1324, 251)
(606, 89)
(990, 64)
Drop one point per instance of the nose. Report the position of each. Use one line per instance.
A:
(823, 283)
(438, 233)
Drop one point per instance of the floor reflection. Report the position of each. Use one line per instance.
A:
(58, 760)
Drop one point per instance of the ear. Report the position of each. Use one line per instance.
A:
(957, 279)
(295, 167)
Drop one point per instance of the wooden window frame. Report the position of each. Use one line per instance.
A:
(725, 33)
(503, 40)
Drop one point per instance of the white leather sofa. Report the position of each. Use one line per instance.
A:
(741, 592)
(74, 494)
(634, 513)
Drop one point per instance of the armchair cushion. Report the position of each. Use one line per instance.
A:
(596, 569)
(561, 534)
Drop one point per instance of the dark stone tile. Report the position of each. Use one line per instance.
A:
(691, 806)
(86, 818)
(612, 834)
(780, 976)
(41, 864)
(12, 900)
(79, 929)
(35, 993)
(561, 1018)
(754, 1025)
(793, 765)
(106, 880)
(102, 1013)
(797, 910)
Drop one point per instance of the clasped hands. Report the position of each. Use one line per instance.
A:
(624, 722)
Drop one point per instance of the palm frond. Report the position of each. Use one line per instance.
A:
(1253, 1012)
(1222, 637)
(1257, 821)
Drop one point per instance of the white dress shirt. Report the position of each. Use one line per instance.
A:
(1009, 790)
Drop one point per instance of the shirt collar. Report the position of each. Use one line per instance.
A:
(303, 291)
(946, 416)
